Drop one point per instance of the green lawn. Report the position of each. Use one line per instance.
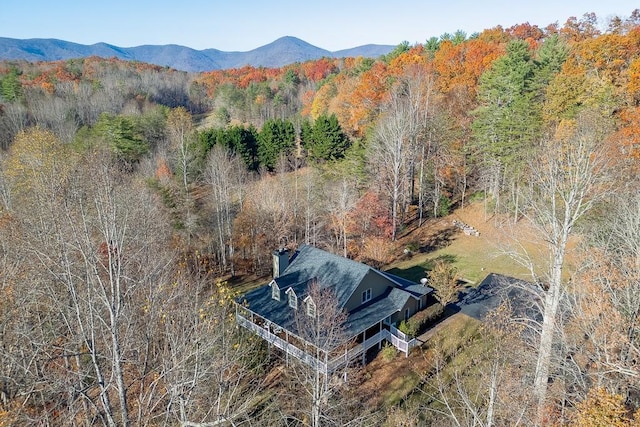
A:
(473, 256)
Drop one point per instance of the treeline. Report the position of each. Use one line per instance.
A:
(128, 191)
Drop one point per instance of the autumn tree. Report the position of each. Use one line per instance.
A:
(444, 279)
(601, 408)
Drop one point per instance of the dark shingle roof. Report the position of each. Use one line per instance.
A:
(260, 302)
(340, 274)
(415, 289)
(375, 311)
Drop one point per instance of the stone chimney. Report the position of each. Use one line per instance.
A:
(280, 261)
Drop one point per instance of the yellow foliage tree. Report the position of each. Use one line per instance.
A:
(37, 163)
(601, 408)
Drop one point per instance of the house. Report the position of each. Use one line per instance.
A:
(374, 303)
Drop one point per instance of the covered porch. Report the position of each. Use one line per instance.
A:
(365, 335)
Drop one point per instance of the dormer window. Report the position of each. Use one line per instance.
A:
(275, 291)
(366, 295)
(311, 307)
(293, 299)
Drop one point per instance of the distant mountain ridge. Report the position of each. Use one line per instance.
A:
(283, 51)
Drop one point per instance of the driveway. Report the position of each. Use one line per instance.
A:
(489, 294)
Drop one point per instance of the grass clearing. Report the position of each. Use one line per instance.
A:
(473, 256)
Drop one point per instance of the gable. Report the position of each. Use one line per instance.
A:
(376, 282)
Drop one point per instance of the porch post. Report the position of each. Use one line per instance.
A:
(286, 352)
(269, 340)
(346, 364)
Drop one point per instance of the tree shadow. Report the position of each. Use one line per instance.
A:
(413, 273)
(445, 258)
(438, 241)
(417, 272)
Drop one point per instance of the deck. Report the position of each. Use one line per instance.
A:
(326, 365)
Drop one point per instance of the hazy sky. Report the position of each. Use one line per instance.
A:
(241, 25)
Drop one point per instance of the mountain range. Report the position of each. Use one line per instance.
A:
(283, 51)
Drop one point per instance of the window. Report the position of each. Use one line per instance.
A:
(275, 291)
(366, 295)
(293, 300)
(406, 314)
(420, 304)
(311, 308)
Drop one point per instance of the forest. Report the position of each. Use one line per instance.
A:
(137, 202)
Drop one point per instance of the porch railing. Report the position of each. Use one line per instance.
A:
(393, 335)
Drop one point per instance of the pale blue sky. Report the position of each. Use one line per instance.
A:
(241, 25)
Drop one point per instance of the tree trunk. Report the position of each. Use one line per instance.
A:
(545, 348)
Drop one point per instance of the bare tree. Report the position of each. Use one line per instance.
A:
(207, 363)
(342, 198)
(179, 130)
(567, 178)
(98, 250)
(483, 387)
(390, 152)
(320, 323)
(226, 175)
(13, 120)
(313, 207)
(52, 112)
(602, 330)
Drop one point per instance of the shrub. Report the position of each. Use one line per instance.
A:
(388, 352)
(476, 197)
(444, 207)
(413, 246)
(419, 322)
(408, 328)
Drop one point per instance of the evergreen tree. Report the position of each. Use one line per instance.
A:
(238, 139)
(10, 86)
(548, 62)
(244, 142)
(123, 135)
(506, 120)
(277, 137)
(325, 139)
